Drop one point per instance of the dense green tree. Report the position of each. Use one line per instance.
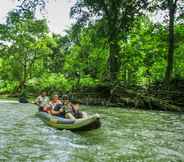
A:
(54, 61)
(117, 17)
(175, 13)
(88, 55)
(143, 62)
(109, 42)
(22, 35)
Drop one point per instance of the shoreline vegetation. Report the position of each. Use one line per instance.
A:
(145, 103)
(114, 54)
(154, 98)
(148, 99)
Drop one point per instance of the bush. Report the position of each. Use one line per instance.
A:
(87, 81)
(7, 87)
(50, 83)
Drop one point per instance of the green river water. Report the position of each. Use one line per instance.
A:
(125, 135)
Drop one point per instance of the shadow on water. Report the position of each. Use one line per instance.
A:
(125, 135)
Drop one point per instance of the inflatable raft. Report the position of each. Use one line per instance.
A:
(91, 122)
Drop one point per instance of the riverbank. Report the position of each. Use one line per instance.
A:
(128, 99)
(153, 98)
(138, 101)
(156, 97)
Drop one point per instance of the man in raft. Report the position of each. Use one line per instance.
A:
(66, 107)
(73, 108)
(42, 100)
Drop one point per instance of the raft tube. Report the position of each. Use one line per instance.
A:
(89, 123)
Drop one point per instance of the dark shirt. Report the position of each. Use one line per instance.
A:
(58, 107)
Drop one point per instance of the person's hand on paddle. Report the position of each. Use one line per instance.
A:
(66, 109)
(62, 110)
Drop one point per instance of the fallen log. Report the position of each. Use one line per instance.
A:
(142, 100)
(146, 102)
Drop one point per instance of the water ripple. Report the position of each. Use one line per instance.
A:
(126, 135)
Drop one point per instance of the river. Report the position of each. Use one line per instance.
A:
(125, 135)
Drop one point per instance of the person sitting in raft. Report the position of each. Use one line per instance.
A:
(55, 101)
(55, 107)
(66, 107)
(42, 100)
(74, 109)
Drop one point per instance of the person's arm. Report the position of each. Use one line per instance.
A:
(37, 101)
(76, 108)
(47, 100)
(62, 110)
(53, 112)
(70, 116)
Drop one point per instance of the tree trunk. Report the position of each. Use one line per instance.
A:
(24, 78)
(114, 60)
(170, 56)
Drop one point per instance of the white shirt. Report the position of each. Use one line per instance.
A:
(42, 100)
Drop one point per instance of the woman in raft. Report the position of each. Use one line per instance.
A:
(64, 108)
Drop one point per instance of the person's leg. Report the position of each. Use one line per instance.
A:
(62, 116)
(70, 116)
(84, 114)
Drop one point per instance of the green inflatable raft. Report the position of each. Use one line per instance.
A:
(89, 123)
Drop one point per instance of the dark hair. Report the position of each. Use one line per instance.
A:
(43, 92)
(65, 97)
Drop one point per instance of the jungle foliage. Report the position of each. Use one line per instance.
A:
(112, 42)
